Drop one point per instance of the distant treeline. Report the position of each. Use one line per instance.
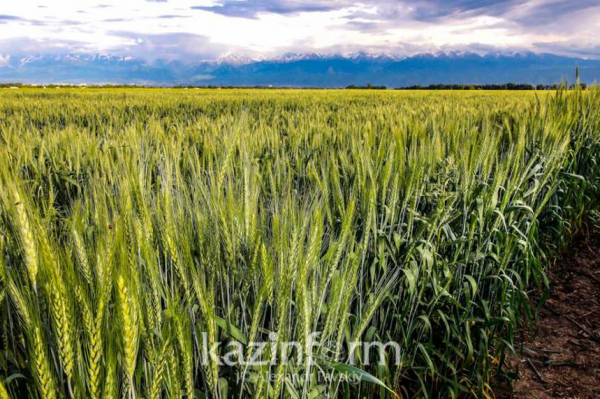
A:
(507, 86)
(367, 87)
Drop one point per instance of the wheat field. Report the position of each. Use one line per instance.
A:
(142, 228)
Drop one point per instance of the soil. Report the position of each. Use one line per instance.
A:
(562, 358)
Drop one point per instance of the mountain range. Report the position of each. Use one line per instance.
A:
(301, 70)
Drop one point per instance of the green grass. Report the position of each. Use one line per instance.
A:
(138, 227)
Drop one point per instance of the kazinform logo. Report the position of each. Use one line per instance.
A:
(275, 352)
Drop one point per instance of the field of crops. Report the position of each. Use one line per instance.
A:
(252, 244)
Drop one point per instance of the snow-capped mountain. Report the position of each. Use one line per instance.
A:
(233, 59)
(359, 56)
(364, 56)
(39, 60)
(293, 57)
(301, 69)
(81, 68)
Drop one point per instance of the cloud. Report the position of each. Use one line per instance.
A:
(423, 10)
(250, 9)
(4, 60)
(263, 28)
(37, 22)
(173, 46)
(61, 23)
(523, 12)
(434, 10)
(48, 46)
(172, 16)
(550, 11)
(570, 49)
(10, 18)
(168, 46)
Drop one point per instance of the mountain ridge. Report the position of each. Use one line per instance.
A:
(301, 69)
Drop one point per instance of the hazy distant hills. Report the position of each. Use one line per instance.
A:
(307, 70)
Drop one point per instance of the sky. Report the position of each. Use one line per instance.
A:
(192, 30)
